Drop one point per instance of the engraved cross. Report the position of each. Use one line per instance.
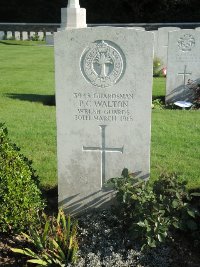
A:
(102, 61)
(184, 74)
(103, 149)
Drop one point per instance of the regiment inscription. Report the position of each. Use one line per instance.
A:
(104, 107)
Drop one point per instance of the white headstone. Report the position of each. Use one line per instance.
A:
(103, 102)
(49, 38)
(162, 43)
(41, 35)
(17, 35)
(183, 65)
(155, 43)
(73, 16)
(24, 35)
(1, 35)
(9, 35)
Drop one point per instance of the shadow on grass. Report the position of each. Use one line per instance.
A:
(47, 100)
(6, 43)
(160, 97)
(21, 43)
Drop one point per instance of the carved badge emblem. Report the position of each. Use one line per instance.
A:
(186, 42)
(102, 63)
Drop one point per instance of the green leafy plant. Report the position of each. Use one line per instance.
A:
(177, 201)
(151, 211)
(20, 197)
(157, 67)
(157, 104)
(55, 242)
(35, 37)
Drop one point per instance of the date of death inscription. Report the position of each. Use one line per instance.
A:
(103, 107)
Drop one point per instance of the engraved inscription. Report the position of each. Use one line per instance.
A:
(103, 149)
(102, 63)
(186, 43)
(185, 57)
(103, 107)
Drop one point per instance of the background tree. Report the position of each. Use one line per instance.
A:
(102, 11)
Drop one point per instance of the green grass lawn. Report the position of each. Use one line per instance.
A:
(26, 92)
(26, 97)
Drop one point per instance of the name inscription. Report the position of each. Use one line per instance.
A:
(103, 107)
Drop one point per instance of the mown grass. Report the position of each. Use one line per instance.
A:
(27, 92)
(26, 98)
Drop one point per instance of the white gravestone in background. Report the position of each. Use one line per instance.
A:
(9, 35)
(162, 43)
(183, 64)
(24, 36)
(1, 35)
(155, 43)
(49, 38)
(103, 103)
(17, 35)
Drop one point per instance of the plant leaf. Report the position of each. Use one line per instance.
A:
(25, 251)
(191, 213)
(56, 245)
(41, 262)
(195, 194)
(141, 224)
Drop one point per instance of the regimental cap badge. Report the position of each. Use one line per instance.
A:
(102, 63)
(186, 43)
(102, 47)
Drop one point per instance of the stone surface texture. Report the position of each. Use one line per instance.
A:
(183, 65)
(49, 39)
(155, 43)
(103, 102)
(1, 35)
(24, 35)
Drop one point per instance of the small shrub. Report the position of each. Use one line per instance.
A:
(35, 37)
(177, 202)
(20, 197)
(157, 68)
(55, 242)
(151, 211)
(158, 104)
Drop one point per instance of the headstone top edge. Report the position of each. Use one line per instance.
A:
(105, 27)
(167, 28)
(183, 31)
